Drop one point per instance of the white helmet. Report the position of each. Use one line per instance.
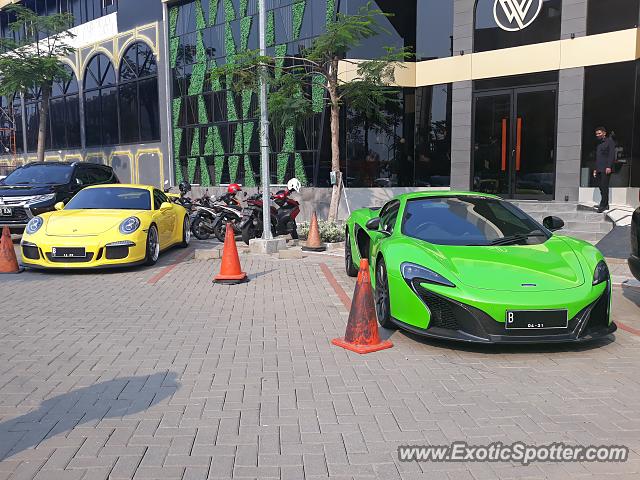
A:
(294, 185)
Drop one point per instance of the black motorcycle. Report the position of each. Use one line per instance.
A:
(212, 216)
(283, 218)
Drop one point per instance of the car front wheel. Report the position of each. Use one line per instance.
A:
(351, 269)
(153, 246)
(383, 304)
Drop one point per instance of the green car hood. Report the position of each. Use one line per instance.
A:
(550, 266)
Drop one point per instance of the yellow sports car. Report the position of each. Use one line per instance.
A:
(106, 226)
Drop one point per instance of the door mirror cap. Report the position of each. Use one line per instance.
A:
(553, 223)
(59, 206)
(165, 206)
(373, 224)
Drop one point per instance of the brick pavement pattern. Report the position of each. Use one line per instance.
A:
(103, 375)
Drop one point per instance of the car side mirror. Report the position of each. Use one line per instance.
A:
(373, 224)
(59, 206)
(553, 223)
(165, 206)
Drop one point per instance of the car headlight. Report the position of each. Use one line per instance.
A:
(41, 198)
(34, 225)
(129, 225)
(601, 273)
(411, 271)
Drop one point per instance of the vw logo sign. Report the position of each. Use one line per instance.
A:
(515, 15)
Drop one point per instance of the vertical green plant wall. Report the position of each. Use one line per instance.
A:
(208, 156)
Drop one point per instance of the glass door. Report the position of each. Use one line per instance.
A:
(514, 142)
(535, 143)
(492, 143)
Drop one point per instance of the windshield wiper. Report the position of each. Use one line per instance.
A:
(516, 238)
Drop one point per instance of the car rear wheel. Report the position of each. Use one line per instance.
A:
(186, 233)
(153, 246)
(351, 269)
(383, 304)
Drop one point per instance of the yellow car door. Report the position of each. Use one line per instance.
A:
(165, 215)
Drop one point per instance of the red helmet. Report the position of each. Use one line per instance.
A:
(233, 188)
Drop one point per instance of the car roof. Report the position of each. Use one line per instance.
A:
(122, 185)
(67, 164)
(35, 164)
(443, 193)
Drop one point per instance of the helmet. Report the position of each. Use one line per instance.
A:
(294, 185)
(234, 188)
(184, 187)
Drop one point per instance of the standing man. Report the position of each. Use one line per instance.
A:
(605, 157)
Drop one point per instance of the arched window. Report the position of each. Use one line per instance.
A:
(512, 24)
(138, 93)
(100, 102)
(64, 115)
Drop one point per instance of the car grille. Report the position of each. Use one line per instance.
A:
(70, 259)
(117, 252)
(30, 252)
(442, 311)
(18, 215)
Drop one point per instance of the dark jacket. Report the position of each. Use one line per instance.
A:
(605, 154)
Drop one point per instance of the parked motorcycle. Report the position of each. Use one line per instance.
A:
(283, 218)
(182, 199)
(212, 215)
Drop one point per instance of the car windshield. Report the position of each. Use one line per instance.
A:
(468, 220)
(40, 175)
(112, 198)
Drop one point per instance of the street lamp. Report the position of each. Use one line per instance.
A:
(264, 127)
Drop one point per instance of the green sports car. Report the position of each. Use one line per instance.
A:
(473, 267)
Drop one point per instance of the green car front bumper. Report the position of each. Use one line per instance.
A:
(448, 318)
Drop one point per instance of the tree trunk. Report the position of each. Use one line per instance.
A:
(335, 146)
(43, 117)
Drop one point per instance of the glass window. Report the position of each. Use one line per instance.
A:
(465, 220)
(83, 176)
(503, 25)
(608, 90)
(610, 15)
(378, 147)
(64, 125)
(101, 107)
(111, 198)
(10, 125)
(39, 174)
(138, 95)
(158, 199)
(399, 29)
(434, 30)
(433, 136)
(388, 216)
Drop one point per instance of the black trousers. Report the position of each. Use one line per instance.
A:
(602, 179)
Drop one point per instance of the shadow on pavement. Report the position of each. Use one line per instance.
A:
(111, 399)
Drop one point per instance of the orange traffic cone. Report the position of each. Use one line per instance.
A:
(230, 270)
(362, 327)
(313, 240)
(8, 260)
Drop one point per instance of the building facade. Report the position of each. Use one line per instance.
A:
(501, 96)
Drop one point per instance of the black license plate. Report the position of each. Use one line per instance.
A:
(68, 252)
(536, 319)
(6, 212)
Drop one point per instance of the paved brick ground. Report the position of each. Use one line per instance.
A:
(108, 376)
